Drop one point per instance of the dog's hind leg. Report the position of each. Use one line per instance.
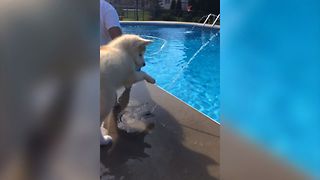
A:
(123, 100)
(107, 102)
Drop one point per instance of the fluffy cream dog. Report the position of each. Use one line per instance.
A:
(120, 64)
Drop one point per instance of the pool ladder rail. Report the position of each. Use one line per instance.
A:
(208, 17)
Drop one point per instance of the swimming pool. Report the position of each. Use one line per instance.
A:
(185, 61)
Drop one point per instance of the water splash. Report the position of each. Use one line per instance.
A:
(135, 118)
(164, 42)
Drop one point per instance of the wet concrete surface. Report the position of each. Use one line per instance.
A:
(177, 142)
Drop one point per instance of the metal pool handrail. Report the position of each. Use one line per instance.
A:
(215, 21)
(208, 17)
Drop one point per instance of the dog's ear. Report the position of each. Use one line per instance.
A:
(142, 42)
(146, 42)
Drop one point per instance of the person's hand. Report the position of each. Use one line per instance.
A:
(114, 32)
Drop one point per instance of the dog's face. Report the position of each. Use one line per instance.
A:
(138, 50)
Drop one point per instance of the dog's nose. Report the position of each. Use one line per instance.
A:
(143, 64)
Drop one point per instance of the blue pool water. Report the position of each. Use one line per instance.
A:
(184, 60)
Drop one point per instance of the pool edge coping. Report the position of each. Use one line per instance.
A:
(181, 101)
(173, 23)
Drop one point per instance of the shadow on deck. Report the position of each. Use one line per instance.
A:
(184, 144)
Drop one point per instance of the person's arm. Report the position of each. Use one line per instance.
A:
(114, 32)
(111, 21)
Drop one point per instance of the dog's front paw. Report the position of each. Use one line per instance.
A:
(151, 80)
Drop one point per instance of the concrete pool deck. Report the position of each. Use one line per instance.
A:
(185, 145)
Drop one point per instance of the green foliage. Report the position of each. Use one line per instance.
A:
(155, 12)
(207, 6)
(179, 6)
(154, 8)
(173, 5)
(168, 17)
(131, 16)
